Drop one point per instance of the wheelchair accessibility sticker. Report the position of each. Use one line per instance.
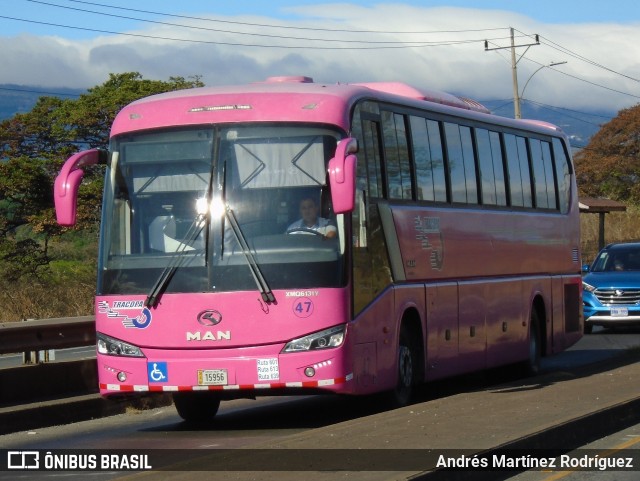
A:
(157, 372)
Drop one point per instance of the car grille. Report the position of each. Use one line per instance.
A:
(613, 297)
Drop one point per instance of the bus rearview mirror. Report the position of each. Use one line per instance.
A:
(65, 192)
(342, 176)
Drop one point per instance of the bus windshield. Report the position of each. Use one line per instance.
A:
(208, 209)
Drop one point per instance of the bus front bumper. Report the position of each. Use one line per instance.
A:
(237, 372)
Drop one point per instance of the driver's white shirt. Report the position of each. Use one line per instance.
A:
(322, 226)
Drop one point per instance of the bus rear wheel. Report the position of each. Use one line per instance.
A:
(532, 364)
(196, 406)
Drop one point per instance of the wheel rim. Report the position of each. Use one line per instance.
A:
(534, 350)
(405, 367)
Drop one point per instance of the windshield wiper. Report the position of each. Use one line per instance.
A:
(177, 260)
(261, 282)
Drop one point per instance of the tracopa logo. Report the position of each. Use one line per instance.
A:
(210, 317)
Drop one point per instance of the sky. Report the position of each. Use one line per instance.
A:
(428, 44)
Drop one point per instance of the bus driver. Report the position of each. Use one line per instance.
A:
(310, 221)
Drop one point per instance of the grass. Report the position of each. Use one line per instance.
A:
(65, 288)
(618, 227)
(33, 300)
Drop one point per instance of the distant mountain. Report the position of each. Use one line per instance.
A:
(16, 99)
(579, 126)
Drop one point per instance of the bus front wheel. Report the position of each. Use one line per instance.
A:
(401, 395)
(196, 406)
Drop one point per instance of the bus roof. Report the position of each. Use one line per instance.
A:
(293, 99)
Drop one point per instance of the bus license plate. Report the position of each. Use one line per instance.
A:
(619, 312)
(212, 377)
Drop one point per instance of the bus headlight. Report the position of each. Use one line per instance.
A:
(326, 339)
(115, 347)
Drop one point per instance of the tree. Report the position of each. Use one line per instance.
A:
(33, 147)
(609, 166)
(89, 118)
(36, 134)
(25, 192)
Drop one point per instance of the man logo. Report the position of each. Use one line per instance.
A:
(209, 317)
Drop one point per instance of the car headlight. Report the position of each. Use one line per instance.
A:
(115, 347)
(326, 339)
(588, 287)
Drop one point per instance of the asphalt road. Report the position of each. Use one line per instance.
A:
(247, 423)
(72, 353)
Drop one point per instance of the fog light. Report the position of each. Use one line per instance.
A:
(122, 377)
(309, 372)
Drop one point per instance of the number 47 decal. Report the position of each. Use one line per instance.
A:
(303, 307)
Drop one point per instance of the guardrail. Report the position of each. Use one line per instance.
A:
(34, 337)
(39, 394)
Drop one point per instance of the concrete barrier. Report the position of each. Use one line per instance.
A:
(33, 382)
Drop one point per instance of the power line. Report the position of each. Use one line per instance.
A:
(566, 51)
(554, 109)
(562, 49)
(55, 94)
(236, 44)
(316, 29)
(194, 27)
(587, 81)
(380, 44)
(607, 117)
(385, 45)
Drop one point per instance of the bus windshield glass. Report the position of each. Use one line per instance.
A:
(215, 206)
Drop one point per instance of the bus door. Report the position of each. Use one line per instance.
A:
(371, 271)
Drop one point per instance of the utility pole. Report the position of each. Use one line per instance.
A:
(514, 67)
(514, 78)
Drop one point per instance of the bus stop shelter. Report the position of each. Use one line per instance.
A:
(590, 205)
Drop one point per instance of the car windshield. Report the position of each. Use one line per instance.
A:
(618, 259)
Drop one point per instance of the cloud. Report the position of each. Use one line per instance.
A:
(451, 57)
(44, 61)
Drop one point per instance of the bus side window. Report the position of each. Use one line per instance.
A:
(491, 168)
(543, 174)
(430, 177)
(462, 167)
(396, 154)
(517, 193)
(563, 175)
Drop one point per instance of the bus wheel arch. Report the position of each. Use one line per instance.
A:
(410, 358)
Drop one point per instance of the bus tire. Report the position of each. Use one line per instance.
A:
(532, 364)
(196, 406)
(407, 365)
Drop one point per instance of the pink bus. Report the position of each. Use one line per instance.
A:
(295, 237)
